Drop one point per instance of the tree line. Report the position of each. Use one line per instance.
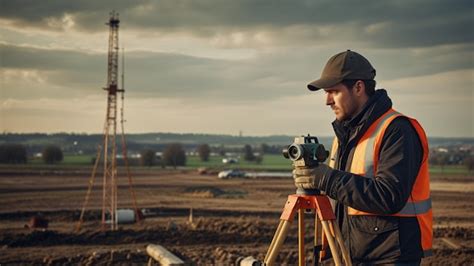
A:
(453, 156)
(17, 154)
(174, 154)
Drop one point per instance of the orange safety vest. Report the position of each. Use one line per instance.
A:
(365, 162)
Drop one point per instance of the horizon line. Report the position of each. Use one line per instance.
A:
(196, 133)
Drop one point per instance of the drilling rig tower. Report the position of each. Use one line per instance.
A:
(108, 149)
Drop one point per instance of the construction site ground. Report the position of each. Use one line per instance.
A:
(231, 218)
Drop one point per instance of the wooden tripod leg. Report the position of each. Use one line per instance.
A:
(332, 243)
(340, 241)
(275, 236)
(301, 255)
(279, 238)
(317, 245)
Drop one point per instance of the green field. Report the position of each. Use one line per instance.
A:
(271, 162)
(67, 160)
(449, 169)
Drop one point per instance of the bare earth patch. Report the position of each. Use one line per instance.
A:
(231, 218)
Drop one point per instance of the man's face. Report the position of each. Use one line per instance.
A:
(342, 101)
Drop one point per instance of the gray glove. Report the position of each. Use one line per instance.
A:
(309, 178)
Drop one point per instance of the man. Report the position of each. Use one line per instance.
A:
(378, 168)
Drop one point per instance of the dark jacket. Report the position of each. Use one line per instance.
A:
(377, 239)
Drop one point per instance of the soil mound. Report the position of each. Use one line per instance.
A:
(204, 191)
(213, 192)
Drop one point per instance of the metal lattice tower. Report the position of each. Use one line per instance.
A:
(109, 148)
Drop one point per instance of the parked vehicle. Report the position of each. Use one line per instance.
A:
(230, 160)
(231, 174)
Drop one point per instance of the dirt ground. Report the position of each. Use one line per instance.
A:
(231, 218)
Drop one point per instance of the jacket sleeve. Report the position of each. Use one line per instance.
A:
(399, 162)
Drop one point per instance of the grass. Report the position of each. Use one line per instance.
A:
(68, 160)
(270, 162)
(449, 170)
(77, 159)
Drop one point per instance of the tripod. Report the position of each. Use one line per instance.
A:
(301, 201)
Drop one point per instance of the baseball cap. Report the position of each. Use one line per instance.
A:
(345, 65)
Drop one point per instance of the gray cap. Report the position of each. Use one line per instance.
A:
(345, 65)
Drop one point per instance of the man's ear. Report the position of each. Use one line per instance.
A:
(359, 87)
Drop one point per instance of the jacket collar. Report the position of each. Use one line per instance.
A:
(352, 129)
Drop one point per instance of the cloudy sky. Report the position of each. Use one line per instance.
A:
(224, 66)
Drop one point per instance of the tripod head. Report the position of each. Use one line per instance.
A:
(308, 192)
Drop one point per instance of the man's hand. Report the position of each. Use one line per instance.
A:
(309, 178)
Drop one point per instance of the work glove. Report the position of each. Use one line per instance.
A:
(310, 177)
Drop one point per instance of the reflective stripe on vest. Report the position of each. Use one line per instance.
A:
(364, 163)
(427, 253)
(414, 208)
(369, 152)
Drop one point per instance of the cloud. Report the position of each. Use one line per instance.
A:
(170, 115)
(150, 74)
(233, 23)
(443, 103)
(52, 115)
(14, 56)
(34, 14)
(249, 60)
(411, 62)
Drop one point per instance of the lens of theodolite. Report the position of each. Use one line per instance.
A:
(295, 152)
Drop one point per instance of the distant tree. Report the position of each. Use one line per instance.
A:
(204, 151)
(439, 159)
(222, 150)
(264, 148)
(469, 163)
(271, 149)
(432, 159)
(259, 159)
(248, 153)
(148, 157)
(13, 153)
(52, 154)
(174, 155)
